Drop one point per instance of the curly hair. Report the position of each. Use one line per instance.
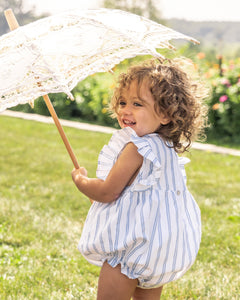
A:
(176, 94)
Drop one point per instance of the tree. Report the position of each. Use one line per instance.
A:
(145, 8)
(23, 15)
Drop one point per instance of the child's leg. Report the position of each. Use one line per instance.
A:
(147, 294)
(113, 284)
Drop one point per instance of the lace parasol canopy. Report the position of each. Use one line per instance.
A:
(53, 54)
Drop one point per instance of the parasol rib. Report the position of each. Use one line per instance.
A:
(13, 24)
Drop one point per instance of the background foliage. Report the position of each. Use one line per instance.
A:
(92, 96)
(224, 103)
(217, 41)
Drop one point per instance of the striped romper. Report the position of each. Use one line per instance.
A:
(153, 230)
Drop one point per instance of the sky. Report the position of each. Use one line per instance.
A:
(196, 10)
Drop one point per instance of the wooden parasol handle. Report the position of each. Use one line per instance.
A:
(13, 24)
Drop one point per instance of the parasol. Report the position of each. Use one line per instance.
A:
(53, 54)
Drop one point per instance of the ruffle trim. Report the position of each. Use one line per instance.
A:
(110, 153)
(119, 140)
(182, 161)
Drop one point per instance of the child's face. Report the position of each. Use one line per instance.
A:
(136, 110)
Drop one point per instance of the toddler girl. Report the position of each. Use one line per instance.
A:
(144, 227)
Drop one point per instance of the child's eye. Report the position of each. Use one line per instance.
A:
(122, 103)
(137, 104)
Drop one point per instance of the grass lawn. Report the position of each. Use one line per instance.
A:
(42, 215)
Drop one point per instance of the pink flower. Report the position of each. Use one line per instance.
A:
(226, 82)
(223, 98)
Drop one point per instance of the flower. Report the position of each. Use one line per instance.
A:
(201, 55)
(112, 86)
(207, 75)
(104, 102)
(104, 110)
(223, 98)
(215, 106)
(226, 82)
(219, 56)
(214, 82)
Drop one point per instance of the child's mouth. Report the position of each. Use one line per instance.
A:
(128, 123)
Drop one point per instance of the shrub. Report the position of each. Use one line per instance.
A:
(92, 96)
(224, 103)
(91, 101)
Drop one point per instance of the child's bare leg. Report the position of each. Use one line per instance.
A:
(147, 294)
(113, 284)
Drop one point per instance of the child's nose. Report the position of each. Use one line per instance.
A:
(126, 109)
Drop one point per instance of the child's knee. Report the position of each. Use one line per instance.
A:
(147, 294)
(115, 285)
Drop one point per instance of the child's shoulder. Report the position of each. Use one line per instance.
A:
(150, 142)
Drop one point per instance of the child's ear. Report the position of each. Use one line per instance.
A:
(164, 120)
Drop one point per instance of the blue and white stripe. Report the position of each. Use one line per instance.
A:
(154, 228)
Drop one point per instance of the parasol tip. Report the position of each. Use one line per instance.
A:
(11, 19)
(8, 11)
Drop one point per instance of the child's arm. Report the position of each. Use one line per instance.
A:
(121, 174)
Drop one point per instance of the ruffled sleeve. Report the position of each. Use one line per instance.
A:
(150, 171)
(110, 152)
(151, 168)
(182, 161)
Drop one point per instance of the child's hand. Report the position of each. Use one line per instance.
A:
(78, 173)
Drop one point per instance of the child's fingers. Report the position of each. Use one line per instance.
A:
(81, 170)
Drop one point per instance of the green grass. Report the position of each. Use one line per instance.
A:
(42, 214)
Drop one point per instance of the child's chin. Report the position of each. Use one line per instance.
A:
(126, 125)
(131, 126)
